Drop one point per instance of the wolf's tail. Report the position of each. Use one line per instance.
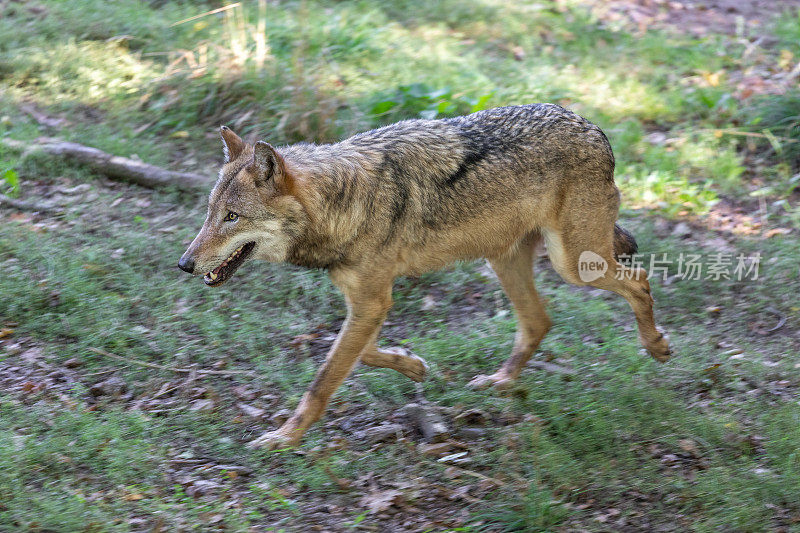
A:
(624, 243)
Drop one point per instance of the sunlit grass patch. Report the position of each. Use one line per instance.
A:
(680, 173)
(616, 94)
(663, 190)
(80, 72)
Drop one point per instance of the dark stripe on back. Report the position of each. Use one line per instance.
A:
(470, 161)
(401, 192)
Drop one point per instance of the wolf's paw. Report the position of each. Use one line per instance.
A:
(399, 359)
(411, 366)
(659, 347)
(498, 380)
(274, 440)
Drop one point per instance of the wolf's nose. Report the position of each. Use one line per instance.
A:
(186, 264)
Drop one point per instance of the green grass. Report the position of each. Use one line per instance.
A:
(707, 442)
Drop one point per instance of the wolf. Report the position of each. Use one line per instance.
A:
(419, 195)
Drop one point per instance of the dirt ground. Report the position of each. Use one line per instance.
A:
(742, 18)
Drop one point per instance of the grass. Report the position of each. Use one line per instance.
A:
(707, 442)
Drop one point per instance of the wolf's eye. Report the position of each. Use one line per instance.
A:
(231, 216)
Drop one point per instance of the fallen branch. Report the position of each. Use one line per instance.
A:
(169, 368)
(41, 118)
(22, 205)
(115, 167)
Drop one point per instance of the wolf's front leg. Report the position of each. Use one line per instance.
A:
(366, 310)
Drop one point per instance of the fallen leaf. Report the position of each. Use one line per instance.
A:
(251, 411)
(690, 446)
(202, 405)
(30, 386)
(380, 433)
(243, 392)
(776, 231)
(440, 448)
(382, 500)
(200, 487)
(113, 386)
(299, 340)
(475, 417)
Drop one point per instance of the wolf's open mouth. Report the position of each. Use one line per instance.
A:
(223, 272)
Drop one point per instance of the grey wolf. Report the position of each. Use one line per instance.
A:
(415, 196)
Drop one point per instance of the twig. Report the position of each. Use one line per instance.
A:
(551, 367)
(213, 11)
(182, 461)
(781, 319)
(165, 392)
(26, 206)
(109, 371)
(169, 368)
(753, 134)
(515, 477)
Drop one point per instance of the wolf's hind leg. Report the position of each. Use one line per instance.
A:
(577, 237)
(515, 271)
(632, 284)
(395, 358)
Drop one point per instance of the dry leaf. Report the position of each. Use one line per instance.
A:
(776, 231)
(251, 411)
(202, 405)
(382, 500)
(690, 446)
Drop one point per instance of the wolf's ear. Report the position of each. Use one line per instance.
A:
(268, 163)
(232, 144)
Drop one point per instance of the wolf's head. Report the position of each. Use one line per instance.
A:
(253, 213)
